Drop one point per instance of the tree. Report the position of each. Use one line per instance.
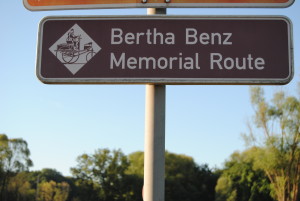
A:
(20, 188)
(278, 152)
(14, 158)
(62, 191)
(51, 185)
(185, 180)
(225, 190)
(104, 171)
(48, 174)
(52, 191)
(240, 181)
(136, 164)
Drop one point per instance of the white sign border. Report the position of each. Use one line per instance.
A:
(168, 81)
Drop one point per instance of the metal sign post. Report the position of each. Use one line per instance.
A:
(154, 153)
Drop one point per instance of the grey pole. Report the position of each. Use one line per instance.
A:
(154, 153)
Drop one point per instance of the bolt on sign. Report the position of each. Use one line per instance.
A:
(165, 50)
(93, 4)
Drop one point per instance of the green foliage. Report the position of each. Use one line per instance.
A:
(241, 180)
(135, 175)
(225, 190)
(279, 152)
(14, 154)
(52, 191)
(136, 161)
(103, 171)
(109, 175)
(14, 158)
(184, 179)
(20, 188)
(48, 174)
(39, 186)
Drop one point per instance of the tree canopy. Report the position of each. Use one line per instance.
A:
(277, 136)
(14, 158)
(268, 170)
(241, 181)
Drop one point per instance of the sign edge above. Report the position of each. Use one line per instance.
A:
(158, 5)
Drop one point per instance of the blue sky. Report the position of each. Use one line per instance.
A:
(61, 122)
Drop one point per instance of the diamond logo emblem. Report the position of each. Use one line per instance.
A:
(75, 49)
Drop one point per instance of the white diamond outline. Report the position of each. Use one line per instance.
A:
(85, 38)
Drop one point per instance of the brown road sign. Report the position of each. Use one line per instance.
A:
(165, 50)
(93, 4)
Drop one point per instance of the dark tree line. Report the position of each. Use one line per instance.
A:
(111, 176)
(268, 170)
